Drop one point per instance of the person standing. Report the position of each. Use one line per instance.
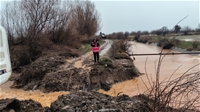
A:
(95, 47)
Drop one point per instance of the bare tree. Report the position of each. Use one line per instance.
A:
(39, 13)
(126, 34)
(86, 17)
(28, 18)
(59, 25)
(29, 22)
(186, 30)
(164, 30)
(8, 20)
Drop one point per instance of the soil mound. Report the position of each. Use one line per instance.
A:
(80, 102)
(104, 77)
(94, 101)
(14, 105)
(52, 73)
(65, 80)
(74, 79)
(33, 74)
(98, 77)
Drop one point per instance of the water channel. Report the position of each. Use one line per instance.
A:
(147, 65)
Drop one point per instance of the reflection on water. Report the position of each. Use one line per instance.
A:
(169, 64)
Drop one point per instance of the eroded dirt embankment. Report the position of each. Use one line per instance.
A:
(53, 73)
(60, 72)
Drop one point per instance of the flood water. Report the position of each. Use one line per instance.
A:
(44, 98)
(169, 65)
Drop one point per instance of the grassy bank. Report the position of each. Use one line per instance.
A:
(188, 45)
(184, 45)
(179, 42)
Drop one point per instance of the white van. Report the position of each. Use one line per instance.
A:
(5, 64)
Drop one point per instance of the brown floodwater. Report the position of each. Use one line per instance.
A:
(44, 98)
(180, 63)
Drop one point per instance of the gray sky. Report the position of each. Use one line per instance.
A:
(146, 15)
(132, 15)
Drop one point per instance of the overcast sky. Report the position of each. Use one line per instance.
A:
(132, 15)
(146, 15)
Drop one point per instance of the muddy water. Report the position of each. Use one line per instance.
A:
(44, 98)
(170, 63)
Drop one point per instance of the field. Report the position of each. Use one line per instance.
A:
(188, 42)
(188, 37)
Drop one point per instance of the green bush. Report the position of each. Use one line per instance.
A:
(85, 48)
(105, 62)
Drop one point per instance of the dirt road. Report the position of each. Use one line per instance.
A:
(89, 56)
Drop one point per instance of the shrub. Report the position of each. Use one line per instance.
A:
(136, 38)
(166, 43)
(105, 62)
(195, 44)
(175, 41)
(121, 56)
(144, 39)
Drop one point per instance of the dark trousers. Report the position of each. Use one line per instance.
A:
(96, 56)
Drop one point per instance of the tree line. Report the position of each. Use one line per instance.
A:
(28, 21)
(187, 30)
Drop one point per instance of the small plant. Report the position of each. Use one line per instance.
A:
(86, 48)
(105, 62)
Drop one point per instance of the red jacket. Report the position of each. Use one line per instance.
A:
(95, 47)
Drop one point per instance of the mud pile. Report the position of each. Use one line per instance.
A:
(104, 77)
(14, 105)
(94, 101)
(64, 80)
(99, 77)
(53, 73)
(80, 102)
(33, 74)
